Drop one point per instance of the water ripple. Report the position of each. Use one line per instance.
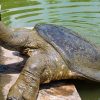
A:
(83, 16)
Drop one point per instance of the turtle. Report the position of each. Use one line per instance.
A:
(53, 53)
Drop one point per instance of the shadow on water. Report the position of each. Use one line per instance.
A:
(83, 16)
(88, 90)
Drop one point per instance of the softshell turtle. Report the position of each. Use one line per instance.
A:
(54, 52)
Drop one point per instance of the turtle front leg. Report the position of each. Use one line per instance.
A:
(27, 85)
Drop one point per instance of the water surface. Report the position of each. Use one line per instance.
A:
(82, 16)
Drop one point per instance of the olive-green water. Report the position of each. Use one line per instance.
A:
(82, 16)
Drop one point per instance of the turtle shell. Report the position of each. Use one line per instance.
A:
(78, 53)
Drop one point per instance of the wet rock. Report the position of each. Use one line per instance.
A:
(10, 69)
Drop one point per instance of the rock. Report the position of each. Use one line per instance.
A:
(59, 91)
(9, 72)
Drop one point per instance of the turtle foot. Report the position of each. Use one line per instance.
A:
(22, 91)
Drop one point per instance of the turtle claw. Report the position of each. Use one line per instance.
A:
(15, 93)
(11, 98)
(19, 91)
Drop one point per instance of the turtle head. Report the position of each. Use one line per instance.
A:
(12, 39)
